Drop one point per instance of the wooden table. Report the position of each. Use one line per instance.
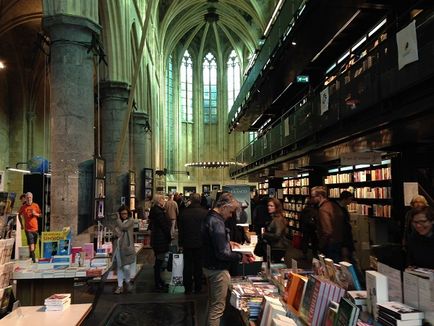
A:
(36, 315)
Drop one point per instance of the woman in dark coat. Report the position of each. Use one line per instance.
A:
(277, 231)
(160, 237)
(124, 253)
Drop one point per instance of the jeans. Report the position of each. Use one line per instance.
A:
(123, 272)
(218, 284)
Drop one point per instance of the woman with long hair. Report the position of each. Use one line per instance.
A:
(277, 231)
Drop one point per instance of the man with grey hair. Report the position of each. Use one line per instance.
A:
(30, 211)
(218, 256)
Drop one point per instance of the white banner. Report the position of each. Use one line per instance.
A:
(406, 40)
(324, 99)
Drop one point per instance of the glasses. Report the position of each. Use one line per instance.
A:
(420, 222)
(124, 213)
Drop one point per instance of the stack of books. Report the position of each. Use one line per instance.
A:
(57, 302)
(397, 314)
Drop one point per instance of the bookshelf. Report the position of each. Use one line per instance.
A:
(263, 187)
(371, 185)
(295, 191)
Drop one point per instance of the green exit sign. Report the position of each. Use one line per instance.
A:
(302, 79)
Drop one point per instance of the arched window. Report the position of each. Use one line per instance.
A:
(169, 114)
(234, 82)
(186, 93)
(209, 89)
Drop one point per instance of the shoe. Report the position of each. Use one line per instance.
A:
(118, 290)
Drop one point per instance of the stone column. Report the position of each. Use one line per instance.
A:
(114, 104)
(140, 123)
(72, 119)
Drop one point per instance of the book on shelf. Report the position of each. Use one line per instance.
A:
(267, 301)
(388, 320)
(377, 291)
(350, 271)
(394, 281)
(330, 269)
(296, 290)
(283, 321)
(347, 314)
(357, 297)
(400, 310)
(330, 316)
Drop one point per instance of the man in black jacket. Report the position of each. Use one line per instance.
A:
(218, 255)
(190, 239)
(160, 238)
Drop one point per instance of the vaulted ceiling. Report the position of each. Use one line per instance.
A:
(214, 24)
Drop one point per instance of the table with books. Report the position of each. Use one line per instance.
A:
(36, 281)
(37, 315)
(332, 294)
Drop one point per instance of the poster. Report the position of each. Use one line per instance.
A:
(242, 194)
(56, 243)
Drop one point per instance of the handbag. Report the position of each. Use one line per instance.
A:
(260, 248)
(177, 269)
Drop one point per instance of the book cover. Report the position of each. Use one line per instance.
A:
(263, 317)
(332, 311)
(307, 297)
(341, 277)
(321, 303)
(317, 293)
(347, 313)
(400, 310)
(377, 291)
(330, 269)
(301, 286)
(394, 281)
(6, 298)
(350, 272)
(296, 280)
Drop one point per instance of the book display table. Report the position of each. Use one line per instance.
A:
(36, 315)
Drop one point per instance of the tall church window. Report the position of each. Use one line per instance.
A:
(186, 77)
(209, 89)
(169, 115)
(234, 82)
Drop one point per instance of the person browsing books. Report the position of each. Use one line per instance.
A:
(420, 246)
(218, 256)
(330, 224)
(348, 248)
(124, 252)
(30, 211)
(277, 231)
